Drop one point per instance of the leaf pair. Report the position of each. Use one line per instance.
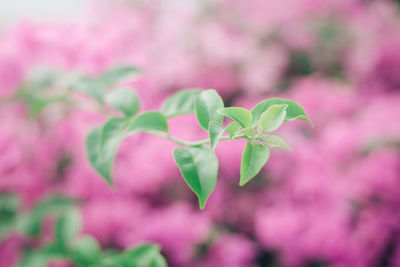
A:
(198, 165)
(293, 110)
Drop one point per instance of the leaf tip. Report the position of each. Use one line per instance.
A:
(242, 181)
(202, 205)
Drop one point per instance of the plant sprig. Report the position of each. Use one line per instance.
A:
(196, 161)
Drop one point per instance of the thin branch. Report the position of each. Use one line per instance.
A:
(197, 143)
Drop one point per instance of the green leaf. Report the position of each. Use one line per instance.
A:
(158, 261)
(275, 141)
(67, 227)
(293, 111)
(91, 87)
(180, 103)
(215, 131)
(199, 168)
(240, 115)
(40, 257)
(9, 206)
(31, 223)
(112, 129)
(147, 122)
(232, 128)
(118, 74)
(272, 118)
(124, 100)
(143, 254)
(97, 86)
(254, 158)
(140, 256)
(102, 145)
(34, 259)
(206, 104)
(85, 251)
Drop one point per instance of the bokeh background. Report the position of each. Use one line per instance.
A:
(332, 202)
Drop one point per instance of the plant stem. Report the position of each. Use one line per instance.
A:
(197, 143)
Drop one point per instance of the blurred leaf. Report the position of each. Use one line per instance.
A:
(31, 223)
(124, 100)
(85, 251)
(36, 100)
(254, 158)
(9, 205)
(240, 115)
(117, 74)
(180, 103)
(199, 168)
(272, 118)
(215, 131)
(67, 226)
(293, 111)
(113, 128)
(102, 144)
(232, 128)
(97, 86)
(275, 141)
(206, 104)
(144, 255)
(41, 257)
(158, 261)
(147, 122)
(92, 87)
(34, 259)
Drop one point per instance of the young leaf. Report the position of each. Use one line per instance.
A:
(206, 104)
(250, 132)
(272, 118)
(102, 144)
(124, 100)
(180, 103)
(232, 128)
(215, 131)
(147, 122)
(67, 226)
(293, 111)
(199, 168)
(85, 251)
(240, 115)
(275, 141)
(254, 158)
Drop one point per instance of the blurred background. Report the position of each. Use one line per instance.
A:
(332, 202)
